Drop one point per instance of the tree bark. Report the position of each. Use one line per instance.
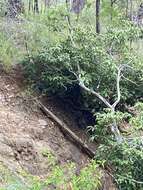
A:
(36, 7)
(77, 6)
(131, 10)
(98, 16)
(127, 8)
(29, 5)
(14, 7)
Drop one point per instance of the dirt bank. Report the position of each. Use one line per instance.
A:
(25, 132)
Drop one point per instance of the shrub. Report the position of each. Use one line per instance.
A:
(56, 66)
(126, 163)
(137, 120)
(60, 177)
(104, 120)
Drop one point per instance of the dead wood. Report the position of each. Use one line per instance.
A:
(67, 132)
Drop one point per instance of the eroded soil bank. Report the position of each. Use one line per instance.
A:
(25, 132)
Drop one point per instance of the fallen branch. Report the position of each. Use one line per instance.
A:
(66, 131)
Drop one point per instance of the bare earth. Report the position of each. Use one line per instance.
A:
(25, 132)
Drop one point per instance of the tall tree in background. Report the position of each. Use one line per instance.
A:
(30, 5)
(77, 6)
(140, 14)
(14, 7)
(131, 10)
(127, 8)
(47, 3)
(111, 3)
(98, 16)
(36, 7)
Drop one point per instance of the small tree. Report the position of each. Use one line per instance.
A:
(99, 64)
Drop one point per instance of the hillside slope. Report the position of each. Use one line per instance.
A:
(26, 133)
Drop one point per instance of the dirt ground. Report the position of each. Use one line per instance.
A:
(25, 132)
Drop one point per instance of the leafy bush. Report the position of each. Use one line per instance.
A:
(56, 66)
(125, 160)
(88, 179)
(104, 120)
(126, 163)
(137, 121)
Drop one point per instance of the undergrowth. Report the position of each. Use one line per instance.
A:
(124, 161)
(59, 177)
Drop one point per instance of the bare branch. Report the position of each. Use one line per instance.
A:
(118, 88)
(81, 84)
(119, 76)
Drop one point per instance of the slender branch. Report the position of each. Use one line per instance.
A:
(130, 80)
(118, 88)
(81, 84)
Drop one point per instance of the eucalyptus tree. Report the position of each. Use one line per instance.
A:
(98, 16)
(14, 7)
(77, 6)
(36, 6)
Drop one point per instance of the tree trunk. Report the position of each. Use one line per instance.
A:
(36, 7)
(98, 16)
(29, 5)
(127, 8)
(131, 10)
(77, 6)
(14, 7)
(115, 130)
(112, 4)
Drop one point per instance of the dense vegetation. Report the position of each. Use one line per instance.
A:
(61, 45)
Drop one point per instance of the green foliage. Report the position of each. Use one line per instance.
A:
(60, 177)
(102, 130)
(7, 50)
(97, 55)
(88, 179)
(137, 121)
(9, 181)
(30, 33)
(126, 159)
(89, 173)
(53, 54)
(126, 162)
